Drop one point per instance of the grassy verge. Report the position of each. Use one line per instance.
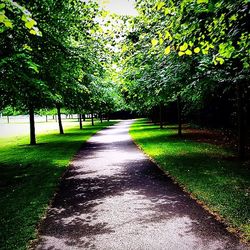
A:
(209, 172)
(29, 176)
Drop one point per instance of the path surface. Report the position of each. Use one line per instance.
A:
(114, 198)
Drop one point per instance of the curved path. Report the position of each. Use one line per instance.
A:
(114, 198)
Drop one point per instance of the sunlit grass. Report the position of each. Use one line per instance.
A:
(29, 176)
(209, 172)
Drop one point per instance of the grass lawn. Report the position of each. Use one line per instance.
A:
(209, 172)
(29, 176)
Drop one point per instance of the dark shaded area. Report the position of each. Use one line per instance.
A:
(123, 114)
(29, 175)
(225, 108)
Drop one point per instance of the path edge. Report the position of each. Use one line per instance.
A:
(231, 229)
(32, 244)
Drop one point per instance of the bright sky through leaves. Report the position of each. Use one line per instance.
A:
(120, 7)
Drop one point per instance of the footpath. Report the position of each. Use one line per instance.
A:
(113, 197)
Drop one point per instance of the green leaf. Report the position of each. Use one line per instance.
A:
(220, 60)
(168, 36)
(167, 11)
(246, 65)
(160, 5)
(188, 52)
(167, 50)
(2, 5)
(197, 50)
(154, 42)
(180, 53)
(33, 32)
(202, 1)
(124, 48)
(27, 47)
(24, 18)
(226, 49)
(177, 36)
(205, 51)
(30, 24)
(33, 66)
(191, 44)
(2, 18)
(8, 23)
(183, 47)
(233, 18)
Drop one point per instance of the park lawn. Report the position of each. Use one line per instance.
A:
(209, 172)
(29, 177)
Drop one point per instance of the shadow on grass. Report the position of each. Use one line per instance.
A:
(29, 176)
(211, 172)
(84, 211)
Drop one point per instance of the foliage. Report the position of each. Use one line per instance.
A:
(192, 27)
(12, 13)
(58, 68)
(188, 48)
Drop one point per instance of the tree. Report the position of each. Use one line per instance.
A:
(176, 49)
(50, 67)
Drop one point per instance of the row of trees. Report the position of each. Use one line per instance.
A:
(194, 53)
(52, 56)
(191, 52)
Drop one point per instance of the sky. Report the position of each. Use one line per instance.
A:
(120, 7)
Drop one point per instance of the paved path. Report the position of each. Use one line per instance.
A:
(115, 198)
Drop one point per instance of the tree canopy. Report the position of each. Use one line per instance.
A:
(77, 55)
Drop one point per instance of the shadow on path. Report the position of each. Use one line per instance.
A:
(113, 197)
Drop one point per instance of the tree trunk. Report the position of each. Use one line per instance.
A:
(59, 119)
(8, 119)
(46, 117)
(80, 120)
(179, 115)
(241, 122)
(83, 117)
(100, 117)
(92, 119)
(32, 126)
(152, 116)
(161, 120)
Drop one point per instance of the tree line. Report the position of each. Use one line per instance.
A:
(187, 56)
(192, 55)
(53, 56)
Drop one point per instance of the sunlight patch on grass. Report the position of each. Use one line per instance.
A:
(29, 176)
(203, 169)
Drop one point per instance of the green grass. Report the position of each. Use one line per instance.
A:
(29, 176)
(203, 169)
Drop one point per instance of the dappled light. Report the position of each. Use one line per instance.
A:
(124, 124)
(29, 175)
(120, 7)
(113, 193)
(203, 168)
